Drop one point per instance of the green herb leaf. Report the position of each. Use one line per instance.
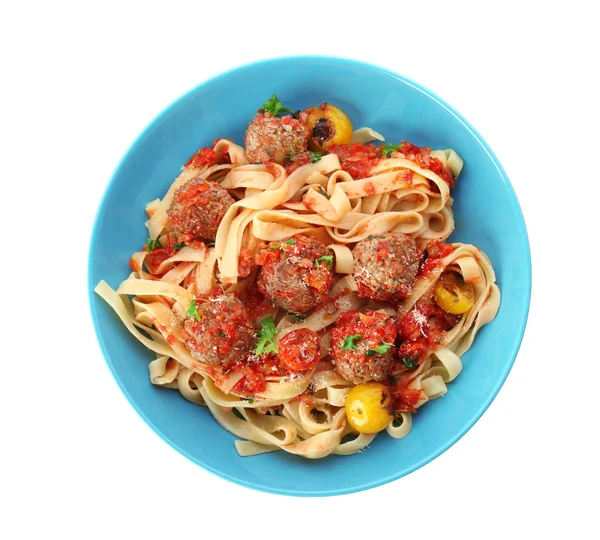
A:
(290, 242)
(410, 363)
(192, 311)
(383, 348)
(295, 318)
(289, 157)
(275, 107)
(266, 334)
(210, 244)
(250, 399)
(370, 353)
(152, 244)
(275, 245)
(388, 148)
(349, 344)
(315, 156)
(325, 258)
(392, 380)
(375, 236)
(323, 192)
(179, 245)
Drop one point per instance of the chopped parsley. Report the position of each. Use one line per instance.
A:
(179, 245)
(349, 344)
(192, 311)
(375, 236)
(410, 363)
(315, 156)
(152, 244)
(289, 157)
(382, 349)
(295, 318)
(266, 334)
(250, 399)
(388, 148)
(323, 192)
(277, 245)
(275, 107)
(326, 259)
(210, 244)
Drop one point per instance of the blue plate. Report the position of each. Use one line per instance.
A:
(487, 214)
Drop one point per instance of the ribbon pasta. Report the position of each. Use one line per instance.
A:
(322, 200)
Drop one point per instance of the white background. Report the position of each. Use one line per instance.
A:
(81, 80)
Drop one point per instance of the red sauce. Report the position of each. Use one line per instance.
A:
(370, 188)
(435, 251)
(254, 302)
(299, 159)
(356, 159)
(156, 257)
(422, 330)
(300, 349)
(422, 157)
(252, 383)
(204, 156)
(134, 265)
(405, 399)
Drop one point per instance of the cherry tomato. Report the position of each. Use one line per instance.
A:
(300, 349)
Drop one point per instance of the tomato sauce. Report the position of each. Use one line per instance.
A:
(434, 251)
(156, 257)
(204, 156)
(422, 157)
(356, 159)
(405, 399)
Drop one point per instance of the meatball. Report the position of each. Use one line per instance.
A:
(197, 210)
(269, 138)
(296, 273)
(362, 345)
(385, 266)
(223, 334)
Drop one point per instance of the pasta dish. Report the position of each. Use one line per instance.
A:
(301, 286)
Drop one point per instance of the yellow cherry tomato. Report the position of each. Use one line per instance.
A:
(369, 407)
(453, 295)
(327, 125)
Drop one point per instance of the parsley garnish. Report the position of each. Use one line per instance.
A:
(295, 318)
(275, 107)
(210, 244)
(265, 343)
(375, 236)
(410, 363)
(325, 258)
(388, 148)
(152, 244)
(323, 192)
(392, 380)
(349, 344)
(290, 242)
(179, 245)
(315, 156)
(192, 311)
(382, 349)
(250, 399)
(289, 157)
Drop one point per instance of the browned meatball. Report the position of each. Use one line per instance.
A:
(362, 345)
(223, 334)
(385, 266)
(197, 210)
(269, 138)
(296, 273)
